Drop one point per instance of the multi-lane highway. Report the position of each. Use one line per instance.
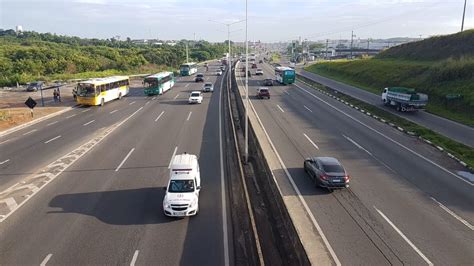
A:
(406, 204)
(106, 208)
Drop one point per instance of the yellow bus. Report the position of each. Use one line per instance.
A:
(98, 91)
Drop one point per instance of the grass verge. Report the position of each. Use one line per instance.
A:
(460, 151)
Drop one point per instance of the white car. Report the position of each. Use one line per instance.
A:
(208, 87)
(195, 97)
(259, 71)
(219, 72)
(182, 192)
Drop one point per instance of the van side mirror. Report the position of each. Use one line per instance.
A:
(198, 188)
(164, 188)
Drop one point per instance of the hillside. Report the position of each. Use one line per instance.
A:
(37, 56)
(440, 66)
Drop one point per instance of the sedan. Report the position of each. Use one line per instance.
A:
(208, 87)
(327, 172)
(195, 97)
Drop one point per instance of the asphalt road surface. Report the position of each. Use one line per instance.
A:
(106, 208)
(406, 204)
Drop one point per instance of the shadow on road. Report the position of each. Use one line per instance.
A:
(119, 207)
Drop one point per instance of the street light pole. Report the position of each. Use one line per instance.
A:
(463, 15)
(246, 85)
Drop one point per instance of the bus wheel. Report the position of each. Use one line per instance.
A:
(102, 102)
(120, 96)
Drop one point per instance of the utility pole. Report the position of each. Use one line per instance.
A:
(246, 85)
(187, 53)
(326, 55)
(463, 15)
(352, 41)
(368, 45)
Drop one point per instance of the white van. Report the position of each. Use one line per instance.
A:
(182, 192)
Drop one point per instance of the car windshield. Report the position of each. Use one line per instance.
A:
(208, 85)
(180, 186)
(263, 90)
(195, 94)
(200, 75)
(333, 168)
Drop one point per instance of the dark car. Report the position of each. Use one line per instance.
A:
(268, 82)
(199, 78)
(263, 93)
(254, 65)
(327, 172)
(34, 86)
(260, 62)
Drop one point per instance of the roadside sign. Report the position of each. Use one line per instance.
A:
(30, 103)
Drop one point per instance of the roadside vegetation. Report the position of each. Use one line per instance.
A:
(43, 56)
(275, 58)
(442, 67)
(461, 151)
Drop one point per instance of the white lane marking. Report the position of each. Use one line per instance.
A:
(310, 141)
(124, 159)
(457, 217)
(280, 108)
(356, 144)
(404, 237)
(158, 117)
(29, 132)
(154, 98)
(189, 116)
(88, 123)
(55, 138)
(6, 161)
(390, 139)
(5, 141)
(45, 261)
(297, 190)
(306, 107)
(132, 103)
(223, 186)
(87, 110)
(186, 85)
(113, 111)
(71, 116)
(52, 123)
(135, 257)
(147, 102)
(287, 93)
(172, 156)
(175, 97)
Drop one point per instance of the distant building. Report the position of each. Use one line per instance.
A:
(19, 29)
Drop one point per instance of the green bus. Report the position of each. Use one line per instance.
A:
(285, 75)
(159, 83)
(188, 69)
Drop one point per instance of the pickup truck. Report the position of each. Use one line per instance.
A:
(404, 99)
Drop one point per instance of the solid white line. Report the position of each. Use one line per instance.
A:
(7, 160)
(357, 144)
(90, 122)
(287, 93)
(135, 257)
(57, 137)
(189, 116)
(5, 141)
(297, 190)
(223, 187)
(172, 156)
(457, 217)
(132, 103)
(404, 237)
(147, 102)
(308, 108)
(162, 112)
(113, 111)
(280, 108)
(310, 141)
(29, 132)
(71, 116)
(87, 110)
(390, 139)
(52, 123)
(154, 98)
(175, 97)
(45, 261)
(124, 159)
(186, 85)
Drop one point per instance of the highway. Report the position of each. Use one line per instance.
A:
(405, 205)
(456, 131)
(106, 207)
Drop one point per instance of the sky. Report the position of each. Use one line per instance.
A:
(268, 20)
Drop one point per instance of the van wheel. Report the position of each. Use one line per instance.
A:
(102, 102)
(120, 96)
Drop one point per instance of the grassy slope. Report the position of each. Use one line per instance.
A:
(446, 67)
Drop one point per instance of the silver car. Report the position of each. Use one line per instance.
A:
(326, 172)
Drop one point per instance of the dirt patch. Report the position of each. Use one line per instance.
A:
(11, 117)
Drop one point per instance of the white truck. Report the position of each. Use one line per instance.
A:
(404, 99)
(182, 192)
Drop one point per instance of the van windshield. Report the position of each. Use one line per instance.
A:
(180, 186)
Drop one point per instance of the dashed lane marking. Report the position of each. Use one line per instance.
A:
(55, 138)
(310, 141)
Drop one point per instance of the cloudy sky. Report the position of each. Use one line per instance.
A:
(269, 20)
